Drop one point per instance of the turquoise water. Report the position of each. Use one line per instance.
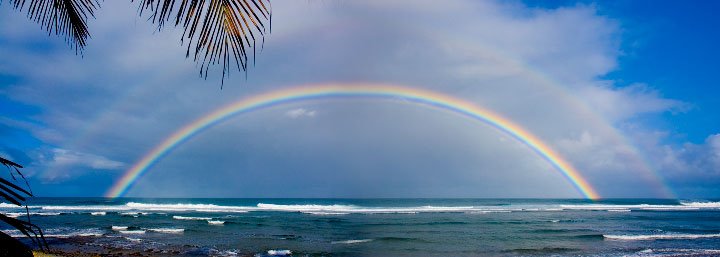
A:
(383, 227)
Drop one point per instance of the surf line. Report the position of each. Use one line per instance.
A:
(365, 90)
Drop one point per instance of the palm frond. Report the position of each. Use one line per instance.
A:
(67, 18)
(13, 247)
(16, 195)
(217, 31)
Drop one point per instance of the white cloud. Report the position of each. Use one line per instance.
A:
(300, 112)
(63, 157)
(623, 103)
(713, 142)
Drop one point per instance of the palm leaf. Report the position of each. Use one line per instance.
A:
(13, 247)
(14, 194)
(28, 229)
(67, 18)
(217, 31)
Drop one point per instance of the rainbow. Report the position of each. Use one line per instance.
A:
(381, 91)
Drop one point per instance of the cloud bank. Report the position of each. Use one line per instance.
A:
(542, 68)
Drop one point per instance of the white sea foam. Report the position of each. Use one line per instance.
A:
(134, 214)
(59, 233)
(118, 228)
(355, 241)
(132, 231)
(325, 209)
(167, 230)
(701, 204)
(19, 214)
(489, 211)
(619, 210)
(135, 208)
(683, 206)
(216, 222)
(188, 207)
(228, 253)
(279, 252)
(191, 218)
(99, 213)
(84, 207)
(133, 239)
(9, 205)
(678, 252)
(659, 236)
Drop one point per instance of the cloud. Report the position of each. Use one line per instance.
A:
(64, 157)
(300, 112)
(623, 103)
(539, 68)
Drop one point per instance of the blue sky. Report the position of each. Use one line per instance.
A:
(642, 68)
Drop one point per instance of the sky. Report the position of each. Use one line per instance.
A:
(625, 91)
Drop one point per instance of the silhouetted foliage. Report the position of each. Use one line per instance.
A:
(15, 194)
(216, 31)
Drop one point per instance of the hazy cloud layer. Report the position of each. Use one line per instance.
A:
(540, 68)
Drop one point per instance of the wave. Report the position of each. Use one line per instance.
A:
(540, 251)
(118, 228)
(660, 236)
(132, 231)
(60, 233)
(134, 214)
(191, 218)
(354, 241)
(701, 204)
(683, 206)
(137, 208)
(8, 205)
(99, 213)
(279, 252)
(19, 214)
(133, 239)
(188, 207)
(216, 222)
(167, 230)
(679, 252)
(337, 209)
(489, 211)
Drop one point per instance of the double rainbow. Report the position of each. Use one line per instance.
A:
(376, 91)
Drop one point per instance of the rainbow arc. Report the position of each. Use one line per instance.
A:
(375, 91)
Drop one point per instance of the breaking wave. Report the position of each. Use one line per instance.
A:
(132, 231)
(118, 228)
(136, 208)
(167, 230)
(191, 218)
(60, 233)
(660, 236)
(355, 241)
(216, 222)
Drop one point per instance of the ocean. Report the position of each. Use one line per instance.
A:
(379, 227)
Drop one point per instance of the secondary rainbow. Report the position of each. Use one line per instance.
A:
(381, 91)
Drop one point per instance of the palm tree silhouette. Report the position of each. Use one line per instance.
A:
(16, 195)
(215, 31)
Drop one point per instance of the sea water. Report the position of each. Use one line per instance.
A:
(382, 227)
